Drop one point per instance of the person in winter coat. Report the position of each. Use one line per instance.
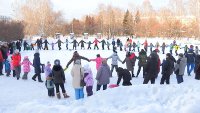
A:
(18, 44)
(108, 45)
(96, 44)
(59, 79)
(163, 47)
(134, 46)
(25, 45)
(77, 73)
(1, 62)
(138, 46)
(46, 44)
(49, 80)
(82, 44)
(16, 63)
(145, 45)
(36, 65)
(4, 51)
(103, 76)
(167, 69)
(190, 55)
(26, 67)
(151, 47)
(118, 42)
(180, 68)
(113, 43)
(52, 45)
(10, 45)
(59, 42)
(151, 70)
(88, 79)
(98, 61)
(12, 67)
(75, 43)
(103, 42)
(115, 59)
(67, 43)
(130, 62)
(38, 44)
(197, 61)
(196, 50)
(125, 75)
(32, 46)
(75, 57)
(121, 45)
(171, 47)
(50, 85)
(197, 71)
(7, 67)
(142, 62)
(176, 47)
(186, 49)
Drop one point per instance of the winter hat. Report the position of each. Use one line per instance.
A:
(57, 62)
(168, 55)
(78, 61)
(181, 55)
(26, 57)
(48, 63)
(86, 68)
(16, 51)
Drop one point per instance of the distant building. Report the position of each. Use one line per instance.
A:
(5, 18)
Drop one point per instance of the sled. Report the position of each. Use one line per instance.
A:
(113, 85)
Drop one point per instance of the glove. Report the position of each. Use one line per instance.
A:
(65, 69)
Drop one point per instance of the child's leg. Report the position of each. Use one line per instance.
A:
(89, 90)
(14, 73)
(81, 93)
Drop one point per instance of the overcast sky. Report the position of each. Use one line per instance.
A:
(78, 8)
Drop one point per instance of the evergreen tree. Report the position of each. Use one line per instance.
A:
(128, 23)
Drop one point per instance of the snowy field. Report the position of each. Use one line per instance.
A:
(31, 97)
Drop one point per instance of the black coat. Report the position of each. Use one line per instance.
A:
(4, 51)
(103, 42)
(46, 43)
(75, 43)
(197, 61)
(82, 43)
(125, 75)
(37, 63)
(58, 74)
(151, 69)
(167, 67)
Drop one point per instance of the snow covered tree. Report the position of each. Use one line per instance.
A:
(128, 23)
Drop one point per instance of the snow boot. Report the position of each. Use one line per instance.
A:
(65, 95)
(58, 95)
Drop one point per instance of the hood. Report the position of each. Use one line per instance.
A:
(36, 55)
(132, 56)
(114, 54)
(57, 67)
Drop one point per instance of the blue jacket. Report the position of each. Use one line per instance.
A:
(190, 55)
(7, 65)
(36, 63)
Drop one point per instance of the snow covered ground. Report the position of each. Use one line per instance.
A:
(31, 97)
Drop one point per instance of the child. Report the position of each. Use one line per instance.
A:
(7, 67)
(12, 67)
(88, 79)
(26, 67)
(52, 45)
(50, 85)
(98, 61)
(59, 78)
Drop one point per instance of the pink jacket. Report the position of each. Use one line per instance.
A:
(26, 65)
(11, 65)
(98, 61)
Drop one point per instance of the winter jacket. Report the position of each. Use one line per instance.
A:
(76, 57)
(98, 61)
(88, 77)
(125, 75)
(7, 65)
(4, 51)
(115, 58)
(152, 69)
(142, 59)
(26, 65)
(37, 63)
(77, 73)
(167, 67)
(49, 83)
(16, 60)
(82, 43)
(103, 75)
(1, 57)
(190, 55)
(197, 61)
(58, 74)
(180, 66)
(96, 42)
(176, 47)
(130, 62)
(47, 70)
(59, 42)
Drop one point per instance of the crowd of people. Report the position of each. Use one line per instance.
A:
(83, 75)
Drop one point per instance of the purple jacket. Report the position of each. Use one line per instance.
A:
(47, 70)
(89, 78)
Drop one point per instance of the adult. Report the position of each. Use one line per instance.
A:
(36, 65)
(38, 44)
(74, 44)
(1, 62)
(77, 73)
(103, 43)
(190, 55)
(118, 42)
(163, 47)
(130, 62)
(125, 75)
(25, 44)
(4, 50)
(167, 69)
(59, 42)
(103, 76)
(151, 70)
(142, 62)
(16, 63)
(113, 43)
(10, 46)
(82, 44)
(75, 57)
(46, 44)
(18, 44)
(180, 68)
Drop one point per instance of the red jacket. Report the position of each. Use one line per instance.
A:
(16, 60)
(95, 41)
(1, 57)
